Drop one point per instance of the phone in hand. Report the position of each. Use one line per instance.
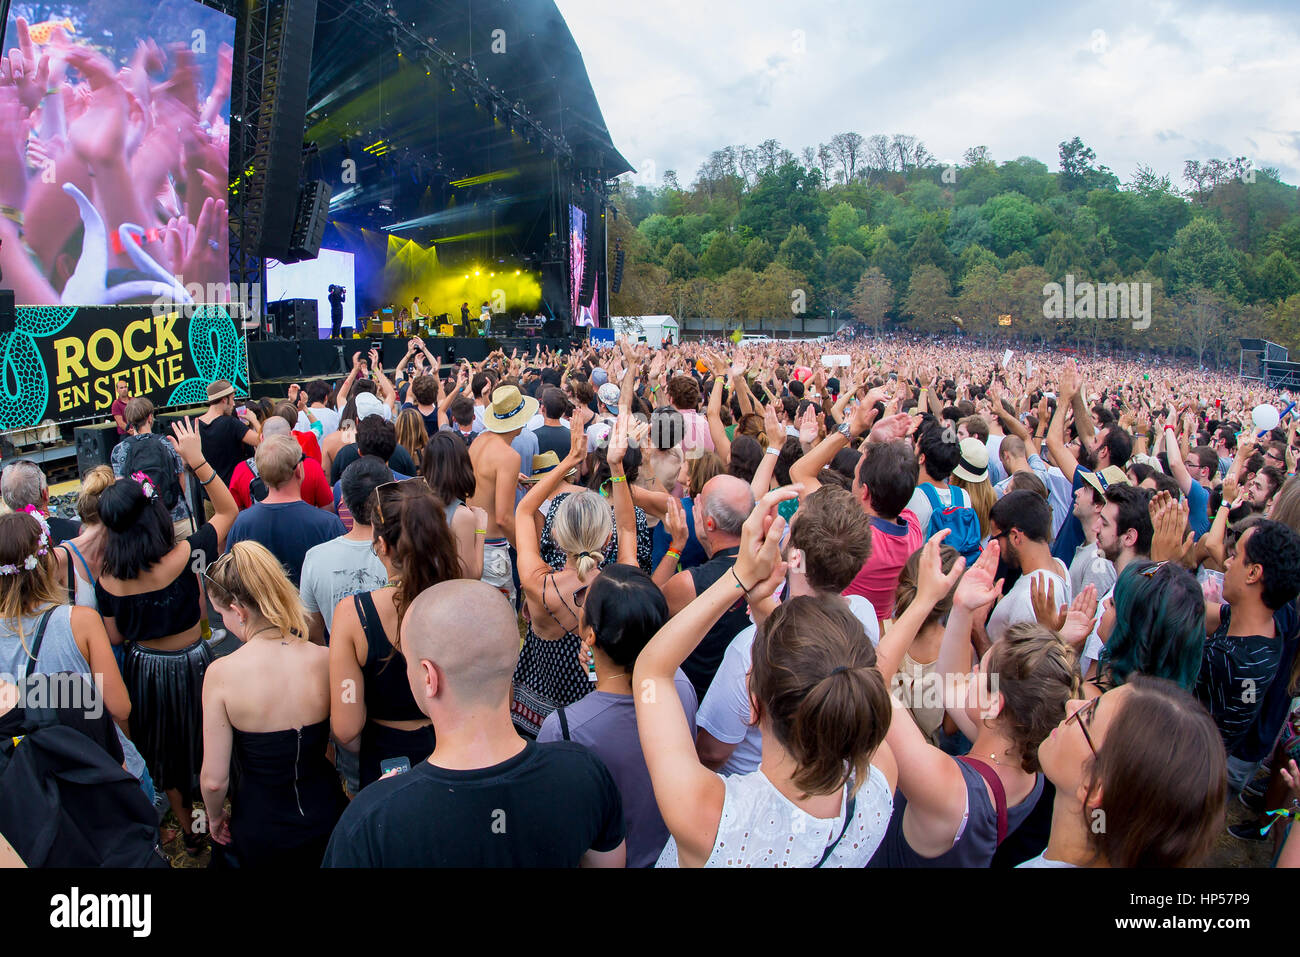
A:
(395, 765)
(241, 411)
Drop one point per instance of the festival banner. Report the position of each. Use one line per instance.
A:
(60, 363)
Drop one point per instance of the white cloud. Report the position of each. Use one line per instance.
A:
(1160, 82)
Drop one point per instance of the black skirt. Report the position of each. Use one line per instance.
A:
(166, 689)
(379, 743)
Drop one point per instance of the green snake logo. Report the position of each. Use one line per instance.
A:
(216, 348)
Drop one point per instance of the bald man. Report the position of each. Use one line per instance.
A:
(725, 502)
(486, 797)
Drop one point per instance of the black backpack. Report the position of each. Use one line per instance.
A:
(65, 803)
(152, 455)
(257, 489)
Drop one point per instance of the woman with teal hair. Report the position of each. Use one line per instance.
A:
(1159, 626)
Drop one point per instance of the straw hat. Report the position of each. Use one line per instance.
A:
(544, 463)
(510, 410)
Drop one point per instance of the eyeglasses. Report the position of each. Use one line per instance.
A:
(580, 596)
(390, 492)
(1084, 720)
(1150, 570)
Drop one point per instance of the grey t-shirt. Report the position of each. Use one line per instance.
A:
(606, 723)
(338, 569)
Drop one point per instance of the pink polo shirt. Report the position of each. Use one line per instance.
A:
(892, 544)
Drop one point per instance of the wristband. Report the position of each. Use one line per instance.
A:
(211, 478)
(618, 478)
(480, 531)
(673, 554)
(739, 583)
(773, 450)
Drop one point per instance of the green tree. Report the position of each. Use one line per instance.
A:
(680, 263)
(842, 226)
(798, 251)
(928, 301)
(758, 255)
(982, 299)
(1200, 257)
(1277, 278)
(873, 297)
(1013, 222)
(929, 249)
(722, 255)
(844, 267)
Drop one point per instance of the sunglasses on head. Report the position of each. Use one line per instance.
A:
(386, 495)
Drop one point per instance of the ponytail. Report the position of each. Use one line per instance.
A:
(815, 678)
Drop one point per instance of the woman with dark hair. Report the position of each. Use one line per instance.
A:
(449, 473)
(823, 792)
(1140, 776)
(150, 596)
(746, 456)
(266, 706)
(384, 722)
(955, 812)
(621, 612)
(548, 674)
(1157, 627)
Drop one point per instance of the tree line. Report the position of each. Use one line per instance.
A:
(875, 230)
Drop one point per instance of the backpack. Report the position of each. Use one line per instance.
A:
(962, 521)
(257, 489)
(65, 803)
(152, 455)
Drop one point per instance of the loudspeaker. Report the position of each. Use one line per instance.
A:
(290, 36)
(310, 222)
(8, 312)
(94, 445)
(554, 328)
(619, 260)
(323, 357)
(295, 318)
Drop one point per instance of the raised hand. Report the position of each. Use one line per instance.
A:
(186, 439)
(675, 525)
(1080, 618)
(980, 585)
(1042, 593)
(760, 538)
(932, 583)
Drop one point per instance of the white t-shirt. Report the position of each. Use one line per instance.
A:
(338, 569)
(328, 419)
(919, 503)
(724, 712)
(1017, 605)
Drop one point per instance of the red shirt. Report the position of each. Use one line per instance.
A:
(892, 544)
(315, 487)
(310, 447)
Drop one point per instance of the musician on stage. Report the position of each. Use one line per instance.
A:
(338, 295)
(417, 316)
(485, 318)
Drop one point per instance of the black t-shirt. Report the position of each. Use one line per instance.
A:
(554, 438)
(704, 661)
(545, 807)
(62, 529)
(430, 420)
(1236, 672)
(400, 462)
(223, 444)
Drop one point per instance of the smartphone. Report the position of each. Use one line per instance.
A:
(400, 765)
(241, 410)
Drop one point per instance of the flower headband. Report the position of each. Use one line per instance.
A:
(42, 545)
(146, 486)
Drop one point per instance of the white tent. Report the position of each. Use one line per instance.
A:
(655, 331)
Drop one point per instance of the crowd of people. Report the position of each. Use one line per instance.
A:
(914, 604)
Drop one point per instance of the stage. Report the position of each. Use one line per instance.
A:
(275, 364)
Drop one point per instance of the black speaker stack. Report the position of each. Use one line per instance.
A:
(312, 218)
(94, 445)
(295, 319)
(286, 68)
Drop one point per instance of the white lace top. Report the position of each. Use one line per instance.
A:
(761, 827)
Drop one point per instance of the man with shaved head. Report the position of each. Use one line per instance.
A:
(485, 797)
(725, 502)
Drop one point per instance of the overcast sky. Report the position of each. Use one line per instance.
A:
(1139, 81)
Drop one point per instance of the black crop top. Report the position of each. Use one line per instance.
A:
(388, 693)
(170, 610)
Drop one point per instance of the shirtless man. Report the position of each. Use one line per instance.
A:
(496, 473)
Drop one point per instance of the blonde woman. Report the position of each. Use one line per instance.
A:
(411, 433)
(548, 675)
(83, 557)
(972, 475)
(267, 705)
